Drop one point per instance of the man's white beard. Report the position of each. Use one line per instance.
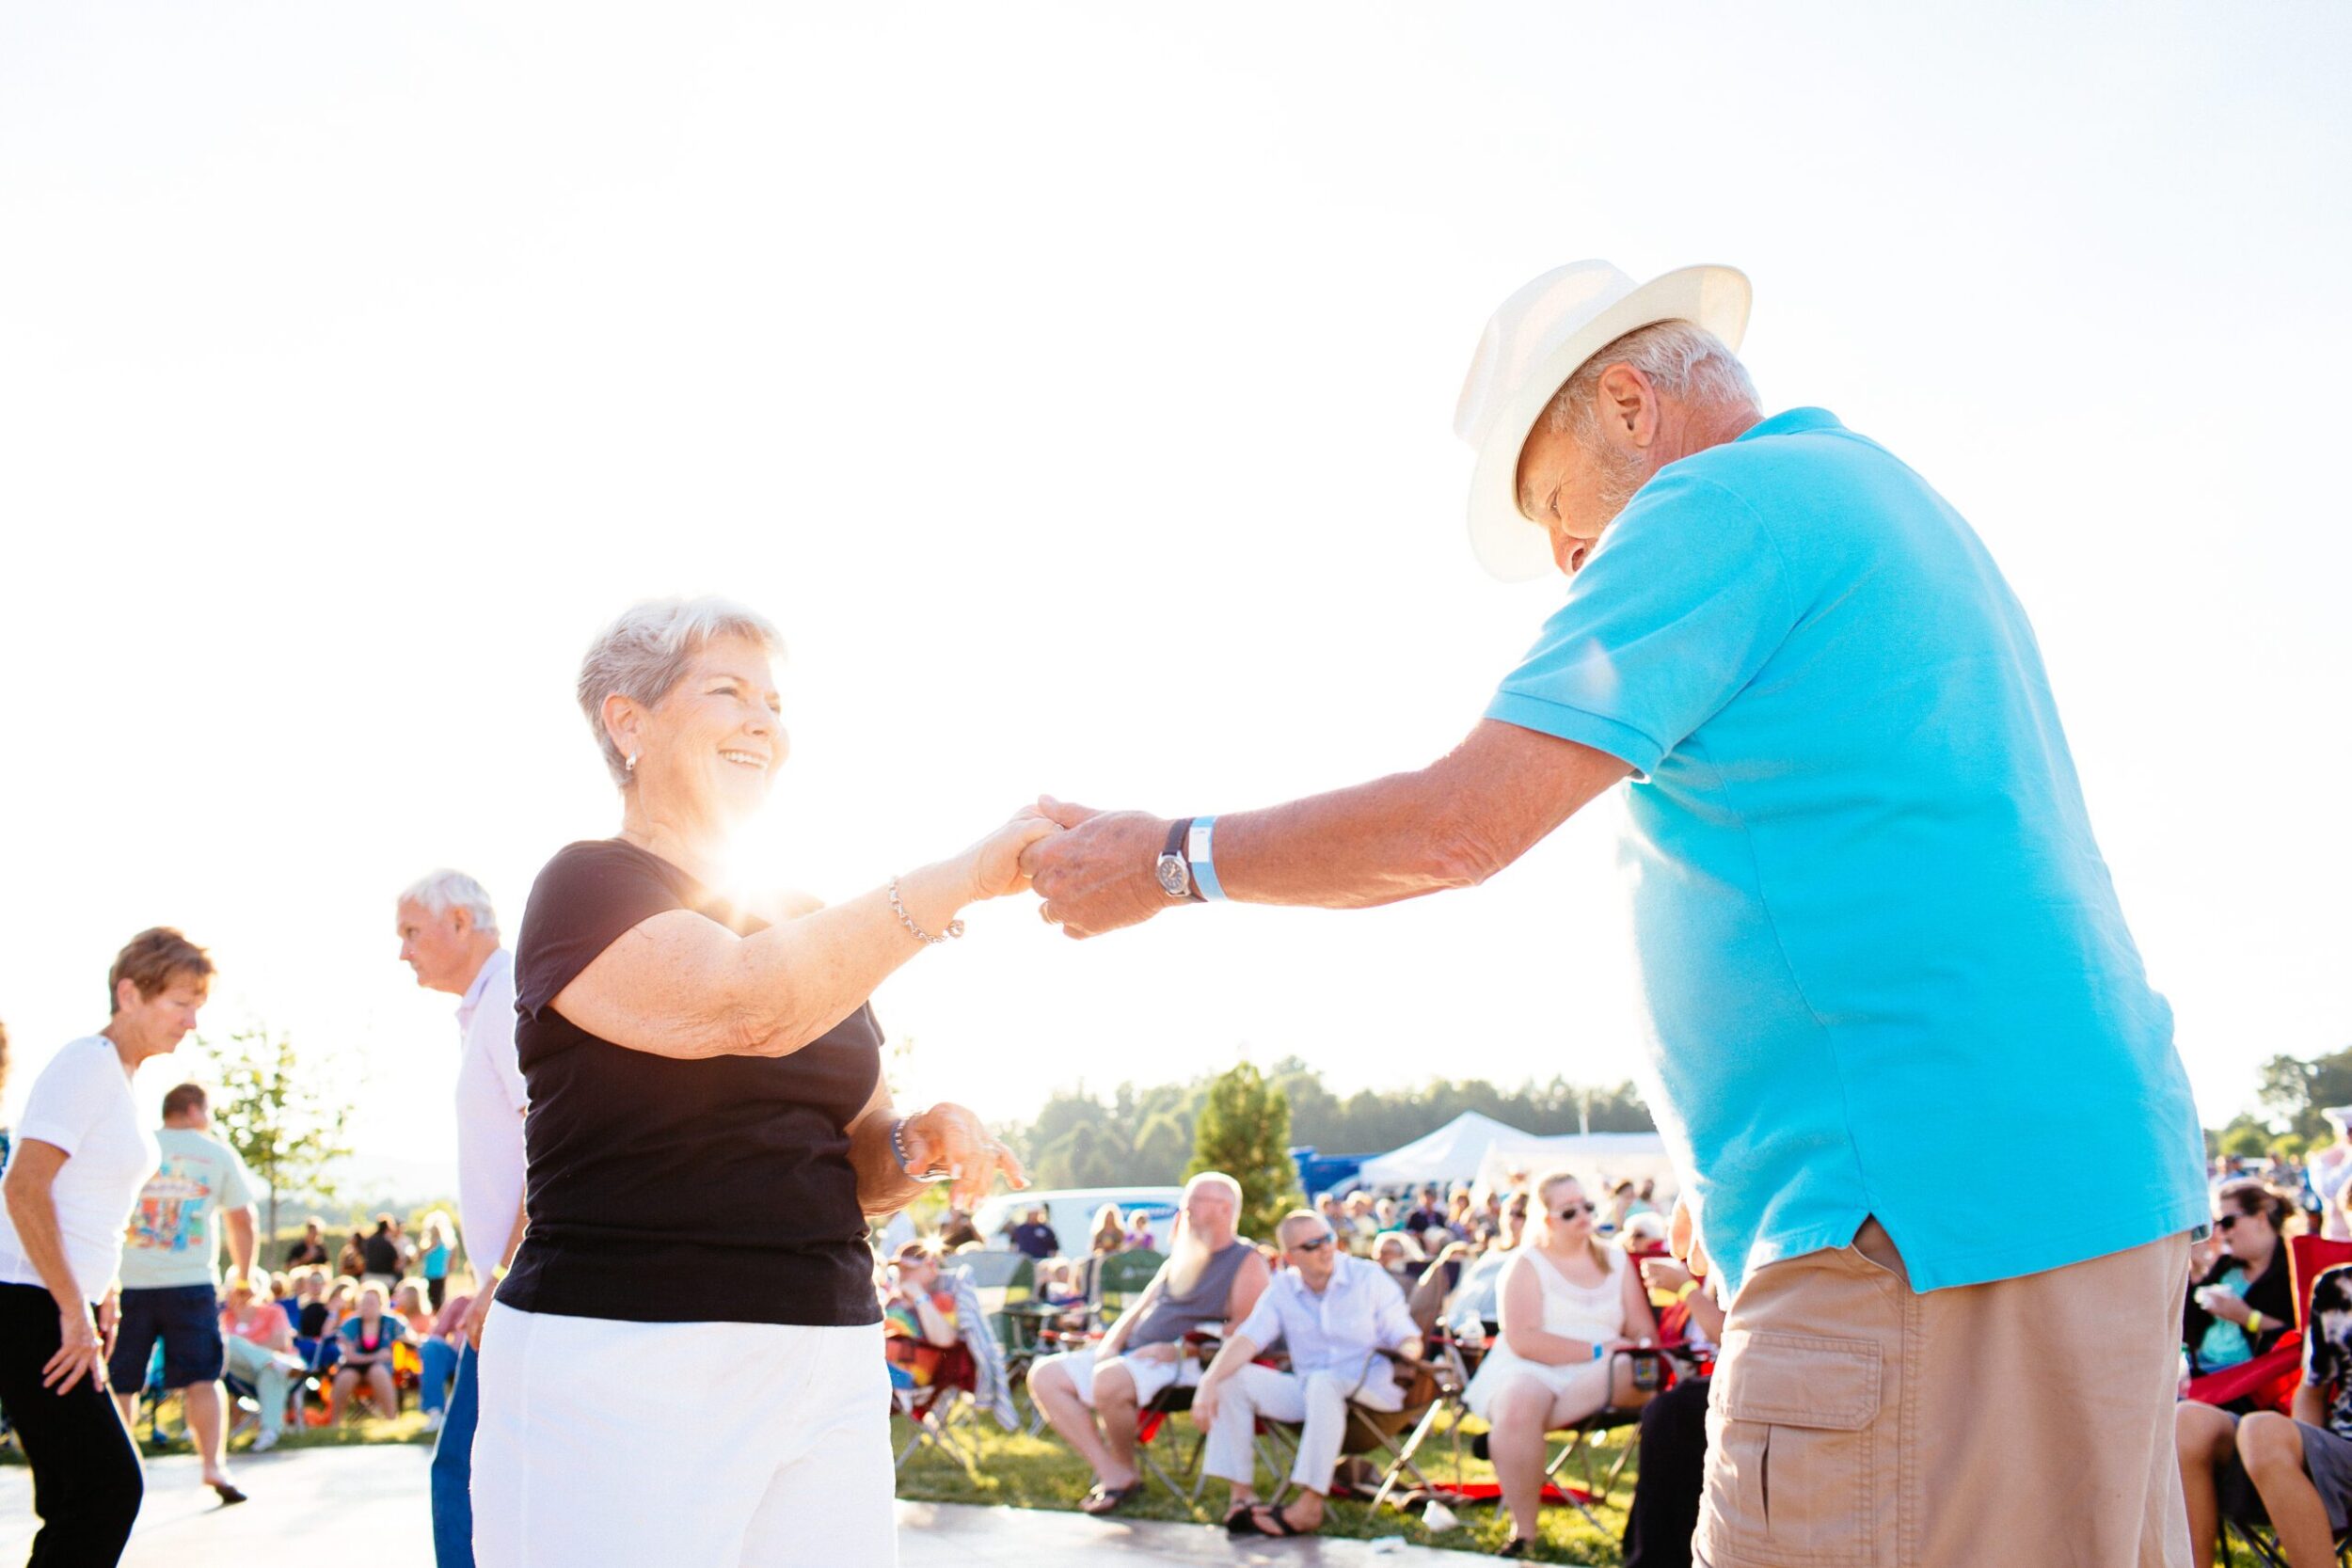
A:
(1188, 1259)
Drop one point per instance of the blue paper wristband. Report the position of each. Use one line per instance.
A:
(1201, 857)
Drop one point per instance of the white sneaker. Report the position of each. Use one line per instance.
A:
(263, 1442)
(432, 1419)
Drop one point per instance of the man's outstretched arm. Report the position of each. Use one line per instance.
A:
(1452, 824)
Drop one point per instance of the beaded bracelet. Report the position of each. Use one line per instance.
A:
(954, 929)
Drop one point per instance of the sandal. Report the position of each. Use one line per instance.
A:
(230, 1495)
(1237, 1522)
(1518, 1545)
(1110, 1499)
(1269, 1520)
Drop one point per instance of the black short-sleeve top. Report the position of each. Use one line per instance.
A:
(668, 1191)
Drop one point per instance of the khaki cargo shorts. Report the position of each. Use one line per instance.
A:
(2027, 1423)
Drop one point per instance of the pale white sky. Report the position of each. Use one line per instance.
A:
(1072, 383)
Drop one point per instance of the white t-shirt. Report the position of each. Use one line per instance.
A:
(490, 1103)
(82, 1104)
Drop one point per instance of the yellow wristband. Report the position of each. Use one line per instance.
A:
(2254, 1321)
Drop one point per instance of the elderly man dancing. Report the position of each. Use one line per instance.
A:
(1212, 1276)
(1340, 1317)
(1879, 946)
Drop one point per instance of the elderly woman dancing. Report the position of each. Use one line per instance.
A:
(685, 1363)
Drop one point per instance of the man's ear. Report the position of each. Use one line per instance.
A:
(1628, 406)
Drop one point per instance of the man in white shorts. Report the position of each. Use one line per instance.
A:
(1212, 1276)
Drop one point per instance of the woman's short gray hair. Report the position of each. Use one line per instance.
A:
(644, 652)
(438, 891)
(1682, 360)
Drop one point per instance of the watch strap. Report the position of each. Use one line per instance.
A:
(1177, 833)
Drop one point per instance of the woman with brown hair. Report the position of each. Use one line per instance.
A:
(1569, 1304)
(84, 1153)
(2241, 1300)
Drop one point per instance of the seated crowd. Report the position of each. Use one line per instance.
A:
(1553, 1297)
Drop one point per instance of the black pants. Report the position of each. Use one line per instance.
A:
(86, 1473)
(437, 1291)
(1665, 1513)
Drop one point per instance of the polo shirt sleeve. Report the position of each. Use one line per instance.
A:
(1685, 599)
(1263, 1327)
(68, 1100)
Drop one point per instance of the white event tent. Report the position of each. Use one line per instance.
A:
(1477, 1148)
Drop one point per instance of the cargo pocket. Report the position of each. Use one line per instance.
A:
(1788, 1475)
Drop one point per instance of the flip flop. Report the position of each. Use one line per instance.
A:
(230, 1495)
(1237, 1522)
(1275, 1517)
(1110, 1499)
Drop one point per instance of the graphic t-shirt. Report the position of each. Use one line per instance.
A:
(174, 1235)
(2327, 1346)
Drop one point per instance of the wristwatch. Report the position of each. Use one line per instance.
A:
(1173, 870)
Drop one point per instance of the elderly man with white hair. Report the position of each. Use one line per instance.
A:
(1879, 946)
(1341, 1319)
(1212, 1279)
(449, 935)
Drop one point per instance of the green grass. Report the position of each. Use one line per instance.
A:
(1014, 1470)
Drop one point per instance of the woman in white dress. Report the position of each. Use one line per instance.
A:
(1569, 1302)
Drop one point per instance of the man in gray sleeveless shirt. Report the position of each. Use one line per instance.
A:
(1212, 1278)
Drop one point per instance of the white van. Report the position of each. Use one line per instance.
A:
(1071, 1211)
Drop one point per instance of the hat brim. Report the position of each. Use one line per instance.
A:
(1506, 543)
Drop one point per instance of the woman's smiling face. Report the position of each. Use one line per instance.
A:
(711, 748)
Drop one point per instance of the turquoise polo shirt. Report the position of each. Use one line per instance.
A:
(1883, 960)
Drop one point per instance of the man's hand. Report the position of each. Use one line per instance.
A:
(1204, 1406)
(1101, 874)
(951, 1137)
(109, 1320)
(477, 1313)
(79, 1352)
(1664, 1274)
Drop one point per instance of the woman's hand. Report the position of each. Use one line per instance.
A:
(950, 1137)
(2226, 1305)
(1664, 1274)
(996, 860)
(78, 1352)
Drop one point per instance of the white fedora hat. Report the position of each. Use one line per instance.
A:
(1542, 336)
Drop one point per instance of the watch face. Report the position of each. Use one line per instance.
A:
(1174, 878)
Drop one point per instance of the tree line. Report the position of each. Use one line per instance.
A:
(1144, 1134)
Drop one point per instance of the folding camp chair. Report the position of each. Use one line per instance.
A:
(930, 1409)
(2268, 1382)
(1369, 1432)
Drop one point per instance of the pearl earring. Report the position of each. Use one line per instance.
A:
(632, 762)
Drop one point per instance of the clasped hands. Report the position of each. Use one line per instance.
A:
(1094, 870)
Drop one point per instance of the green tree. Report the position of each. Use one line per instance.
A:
(286, 1122)
(2295, 1090)
(1244, 1129)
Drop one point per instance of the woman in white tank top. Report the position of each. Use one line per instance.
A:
(1569, 1301)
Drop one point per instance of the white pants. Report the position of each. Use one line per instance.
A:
(1318, 1399)
(686, 1445)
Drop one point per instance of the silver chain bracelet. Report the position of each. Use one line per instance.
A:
(955, 928)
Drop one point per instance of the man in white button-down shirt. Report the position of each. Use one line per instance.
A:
(449, 935)
(1337, 1316)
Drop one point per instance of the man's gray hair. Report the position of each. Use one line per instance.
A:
(1683, 361)
(438, 891)
(644, 652)
(1221, 1182)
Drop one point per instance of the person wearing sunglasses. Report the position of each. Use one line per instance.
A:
(1570, 1305)
(1343, 1321)
(2240, 1303)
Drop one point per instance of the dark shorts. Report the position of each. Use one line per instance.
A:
(2327, 1459)
(187, 1318)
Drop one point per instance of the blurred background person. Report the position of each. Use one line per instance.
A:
(82, 1154)
(200, 1194)
(2240, 1300)
(449, 938)
(310, 1248)
(259, 1344)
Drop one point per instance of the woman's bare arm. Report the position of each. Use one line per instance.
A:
(681, 985)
